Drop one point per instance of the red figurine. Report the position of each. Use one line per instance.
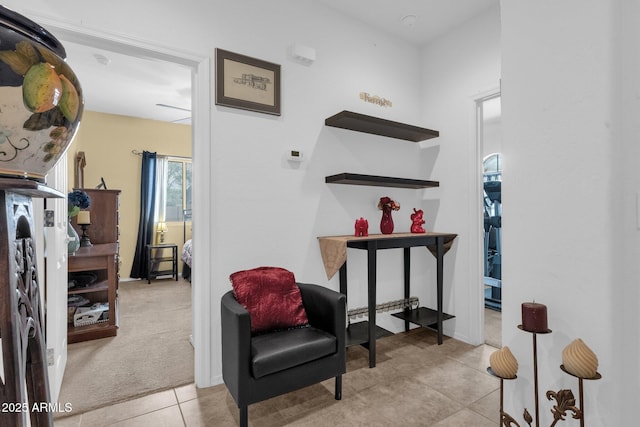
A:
(417, 221)
(362, 227)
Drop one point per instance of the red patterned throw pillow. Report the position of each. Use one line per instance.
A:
(271, 297)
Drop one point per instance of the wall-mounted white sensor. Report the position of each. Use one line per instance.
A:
(303, 54)
(295, 156)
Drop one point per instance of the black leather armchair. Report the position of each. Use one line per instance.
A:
(264, 366)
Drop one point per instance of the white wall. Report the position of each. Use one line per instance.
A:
(565, 160)
(625, 292)
(456, 69)
(272, 211)
(491, 127)
(572, 241)
(266, 210)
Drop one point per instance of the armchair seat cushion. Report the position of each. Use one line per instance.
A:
(277, 351)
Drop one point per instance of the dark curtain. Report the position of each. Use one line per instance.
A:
(147, 205)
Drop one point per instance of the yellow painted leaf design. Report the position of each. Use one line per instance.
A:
(19, 63)
(27, 50)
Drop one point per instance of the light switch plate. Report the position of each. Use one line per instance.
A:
(49, 217)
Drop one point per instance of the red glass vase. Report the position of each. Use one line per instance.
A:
(386, 223)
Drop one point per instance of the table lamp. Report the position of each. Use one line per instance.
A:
(162, 228)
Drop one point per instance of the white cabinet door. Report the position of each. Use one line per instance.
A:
(54, 251)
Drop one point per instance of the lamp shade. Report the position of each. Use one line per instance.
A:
(162, 227)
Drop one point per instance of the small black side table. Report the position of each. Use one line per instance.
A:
(156, 256)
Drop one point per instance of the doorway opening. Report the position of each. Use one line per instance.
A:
(489, 125)
(492, 205)
(199, 66)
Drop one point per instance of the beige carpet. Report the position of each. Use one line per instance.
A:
(151, 351)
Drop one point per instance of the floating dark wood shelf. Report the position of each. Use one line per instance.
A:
(379, 181)
(377, 126)
(422, 316)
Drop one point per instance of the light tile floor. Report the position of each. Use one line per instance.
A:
(415, 383)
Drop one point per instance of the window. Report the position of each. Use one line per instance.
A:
(177, 185)
(492, 167)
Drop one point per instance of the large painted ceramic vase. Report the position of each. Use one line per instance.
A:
(40, 98)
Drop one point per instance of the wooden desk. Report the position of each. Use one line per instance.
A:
(100, 259)
(334, 256)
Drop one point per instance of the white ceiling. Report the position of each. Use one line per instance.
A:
(131, 86)
(432, 17)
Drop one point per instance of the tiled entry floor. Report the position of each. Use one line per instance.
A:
(415, 383)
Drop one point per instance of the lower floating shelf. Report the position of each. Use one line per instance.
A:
(422, 316)
(358, 333)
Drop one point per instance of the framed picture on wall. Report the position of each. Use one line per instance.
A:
(247, 83)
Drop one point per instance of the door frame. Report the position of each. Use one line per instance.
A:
(476, 259)
(202, 159)
(52, 248)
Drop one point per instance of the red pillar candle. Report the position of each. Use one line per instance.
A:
(534, 317)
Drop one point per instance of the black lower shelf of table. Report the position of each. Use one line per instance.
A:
(358, 333)
(155, 273)
(422, 316)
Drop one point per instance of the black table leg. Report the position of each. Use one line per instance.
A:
(372, 248)
(149, 264)
(407, 282)
(343, 279)
(175, 261)
(439, 257)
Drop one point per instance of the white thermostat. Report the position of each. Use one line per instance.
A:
(295, 156)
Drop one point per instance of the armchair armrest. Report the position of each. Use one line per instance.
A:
(326, 310)
(236, 343)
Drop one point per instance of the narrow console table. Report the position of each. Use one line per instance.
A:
(334, 257)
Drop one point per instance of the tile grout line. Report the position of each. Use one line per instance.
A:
(184, 421)
(150, 412)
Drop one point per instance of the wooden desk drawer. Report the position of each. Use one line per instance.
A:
(89, 263)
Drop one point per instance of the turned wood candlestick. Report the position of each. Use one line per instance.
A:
(505, 419)
(534, 320)
(535, 368)
(580, 412)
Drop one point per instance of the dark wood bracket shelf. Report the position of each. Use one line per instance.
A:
(379, 181)
(422, 316)
(377, 126)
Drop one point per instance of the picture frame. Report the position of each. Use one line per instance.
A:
(247, 83)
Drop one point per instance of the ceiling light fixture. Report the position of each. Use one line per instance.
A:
(409, 20)
(174, 107)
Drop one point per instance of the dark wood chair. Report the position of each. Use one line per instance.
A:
(257, 368)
